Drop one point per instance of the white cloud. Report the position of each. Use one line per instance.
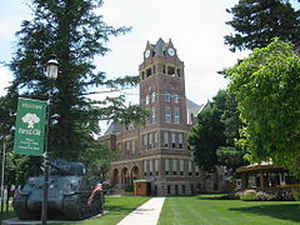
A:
(5, 79)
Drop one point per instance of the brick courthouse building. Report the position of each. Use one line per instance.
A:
(158, 151)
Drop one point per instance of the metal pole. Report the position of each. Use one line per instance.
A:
(2, 176)
(46, 166)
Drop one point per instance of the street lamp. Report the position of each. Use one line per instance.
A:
(51, 72)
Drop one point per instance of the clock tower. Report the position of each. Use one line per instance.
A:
(162, 85)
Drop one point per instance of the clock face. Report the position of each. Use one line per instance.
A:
(147, 53)
(171, 51)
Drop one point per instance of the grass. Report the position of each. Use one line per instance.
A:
(118, 208)
(8, 214)
(211, 210)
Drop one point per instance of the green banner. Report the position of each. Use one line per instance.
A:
(30, 127)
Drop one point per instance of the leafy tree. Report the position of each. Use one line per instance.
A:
(266, 86)
(207, 135)
(212, 140)
(72, 31)
(256, 22)
(98, 161)
(231, 155)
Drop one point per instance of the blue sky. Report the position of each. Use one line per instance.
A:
(195, 27)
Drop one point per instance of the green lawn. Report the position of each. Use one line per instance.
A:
(204, 210)
(118, 208)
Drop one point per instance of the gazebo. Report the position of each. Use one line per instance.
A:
(264, 175)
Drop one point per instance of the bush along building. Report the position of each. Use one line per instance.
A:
(157, 152)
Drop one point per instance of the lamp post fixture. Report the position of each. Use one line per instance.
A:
(51, 72)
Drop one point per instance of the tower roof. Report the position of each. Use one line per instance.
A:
(160, 47)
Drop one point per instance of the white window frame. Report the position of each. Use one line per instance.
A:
(181, 163)
(168, 115)
(176, 116)
(147, 99)
(166, 139)
(153, 114)
(153, 96)
(156, 165)
(167, 165)
(174, 165)
(175, 98)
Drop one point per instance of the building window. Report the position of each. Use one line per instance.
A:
(168, 97)
(183, 189)
(176, 189)
(151, 167)
(173, 140)
(133, 147)
(190, 168)
(174, 166)
(197, 171)
(167, 166)
(154, 69)
(171, 70)
(156, 166)
(178, 73)
(147, 99)
(149, 72)
(153, 114)
(175, 98)
(164, 69)
(127, 145)
(145, 140)
(145, 167)
(156, 138)
(180, 140)
(168, 115)
(181, 164)
(176, 116)
(169, 189)
(150, 140)
(153, 97)
(166, 139)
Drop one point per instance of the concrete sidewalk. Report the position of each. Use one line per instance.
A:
(146, 214)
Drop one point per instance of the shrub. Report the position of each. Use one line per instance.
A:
(264, 196)
(296, 194)
(249, 195)
(129, 188)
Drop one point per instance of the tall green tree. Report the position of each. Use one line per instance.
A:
(208, 135)
(75, 34)
(256, 22)
(212, 139)
(231, 155)
(266, 86)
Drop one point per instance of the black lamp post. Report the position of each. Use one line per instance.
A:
(52, 72)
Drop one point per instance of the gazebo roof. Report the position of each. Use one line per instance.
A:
(265, 166)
